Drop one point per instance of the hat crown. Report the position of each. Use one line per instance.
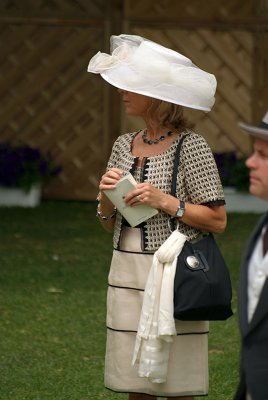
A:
(140, 65)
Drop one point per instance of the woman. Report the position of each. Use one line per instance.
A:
(156, 92)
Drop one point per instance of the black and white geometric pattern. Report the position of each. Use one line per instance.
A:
(198, 182)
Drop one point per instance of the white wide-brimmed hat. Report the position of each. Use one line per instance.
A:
(141, 66)
(260, 132)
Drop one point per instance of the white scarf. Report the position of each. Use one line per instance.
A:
(157, 325)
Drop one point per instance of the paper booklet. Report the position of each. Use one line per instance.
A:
(134, 215)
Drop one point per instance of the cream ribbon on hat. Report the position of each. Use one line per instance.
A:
(102, 61)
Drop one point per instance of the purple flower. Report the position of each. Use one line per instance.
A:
(232, 170)
(22, 166)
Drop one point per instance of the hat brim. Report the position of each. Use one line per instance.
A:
(255, 131)
(154, 93)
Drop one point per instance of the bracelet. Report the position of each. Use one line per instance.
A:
(99, 214)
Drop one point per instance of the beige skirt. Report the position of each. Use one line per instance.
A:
(188, 361)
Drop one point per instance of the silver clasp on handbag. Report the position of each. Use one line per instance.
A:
(192, 261)
(197, 261)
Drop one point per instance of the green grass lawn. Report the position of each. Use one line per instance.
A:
(54, 266)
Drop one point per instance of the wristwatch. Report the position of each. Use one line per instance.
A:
(180, 210)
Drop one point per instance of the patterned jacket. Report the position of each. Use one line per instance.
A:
(198, 182)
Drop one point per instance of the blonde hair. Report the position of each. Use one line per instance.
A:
(168, 115)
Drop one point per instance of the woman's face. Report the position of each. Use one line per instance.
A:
(135, 104)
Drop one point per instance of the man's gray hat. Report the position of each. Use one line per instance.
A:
(260, 132)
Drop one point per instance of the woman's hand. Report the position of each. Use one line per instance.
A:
(211, 219)
(145, 193)
(110, 179)
(106, 208)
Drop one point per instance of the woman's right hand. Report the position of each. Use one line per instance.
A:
(110, 178)
(106, 208)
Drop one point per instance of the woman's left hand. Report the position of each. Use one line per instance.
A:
(210, 219)
(145, 193)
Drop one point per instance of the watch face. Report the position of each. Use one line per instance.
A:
(180, 212)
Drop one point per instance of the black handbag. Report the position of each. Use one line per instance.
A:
(202, 285)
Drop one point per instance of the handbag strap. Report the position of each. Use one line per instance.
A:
(174, 175)
(176, 166)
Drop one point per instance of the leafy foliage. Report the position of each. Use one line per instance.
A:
(22, 166)
(233, 170)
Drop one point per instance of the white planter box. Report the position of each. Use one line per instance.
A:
(243, 202)
(12, 197)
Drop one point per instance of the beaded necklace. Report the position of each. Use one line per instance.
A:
(154, 141)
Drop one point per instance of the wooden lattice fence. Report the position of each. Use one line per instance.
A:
(48, 98)
(228, 39)
(228, 55)
(50, 101)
